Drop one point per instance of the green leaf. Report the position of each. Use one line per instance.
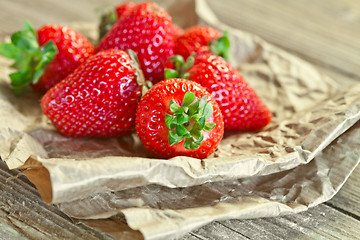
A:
(24, 40)
(170, 121)
(182, 118)
(196, 144)
(193, 111)
(171, 73)
(180, 65)
(49, 47)
(208, 111)
(23, 61)
(202, 105)
(174, 138)
(181, 130)
(188, 142)
(196, 130)
(221, 46)
(209, 126)
(9, 50)
(28, 27)
(30, 58)
(191, 144)
(49, 52)
(113, 17)
(189, 97)
(17, 78)
(18, 85)
(201, 121)
(189, 62)
(174, 107)
(193, 108)
(177, 60)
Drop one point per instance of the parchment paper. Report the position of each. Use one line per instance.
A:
(299, 160)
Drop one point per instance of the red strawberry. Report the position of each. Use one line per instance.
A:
(122, 9)
(147, 31)
(242, 109)
(41, 62)
(73, 50)
(179, 117)
(201, 39)
(98, 99)
(177, 31)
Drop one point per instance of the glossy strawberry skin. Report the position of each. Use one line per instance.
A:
(73, 50)
(98, 99)
(150, 120)
(241, 107)
(147, 31)
(122, 9)
(195, 39)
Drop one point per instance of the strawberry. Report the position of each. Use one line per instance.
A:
(242, 109)
(147, 31)
(122, 9)
(176, 30)
(98, 99)
(46, 57)
(177, 117)
(202, 39)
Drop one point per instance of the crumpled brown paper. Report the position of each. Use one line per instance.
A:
(300, 160)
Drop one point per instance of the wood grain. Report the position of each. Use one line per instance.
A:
(26, 216)
(324, 32)
(327, 34)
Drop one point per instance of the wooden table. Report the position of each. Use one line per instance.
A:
(324, 32)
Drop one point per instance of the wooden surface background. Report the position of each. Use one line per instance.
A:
(324, 32)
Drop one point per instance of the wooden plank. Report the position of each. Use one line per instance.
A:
(320, 222)
(56, 12)
(217, 230)
(25, 216)
(330, 37)
(348, 198)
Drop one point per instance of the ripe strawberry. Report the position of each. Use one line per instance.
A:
(177, 117)
(147, 31)
(242, 109)
(176, 30)
(98, 99)
(46, 57)
(201, 39)
(122, 9)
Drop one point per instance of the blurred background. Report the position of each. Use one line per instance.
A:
(325, 32)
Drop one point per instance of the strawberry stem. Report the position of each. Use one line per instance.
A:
(140, 78)
(221, 46)
(107, 20)
(30, 58)
(189, 120)
(181, 66)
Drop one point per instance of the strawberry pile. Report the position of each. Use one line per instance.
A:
(174, 87)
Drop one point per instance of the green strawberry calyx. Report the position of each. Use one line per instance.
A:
(181, 66)
(221, 46)
(189, 120)
(108, 18)
(140, 78)
(30, 58)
